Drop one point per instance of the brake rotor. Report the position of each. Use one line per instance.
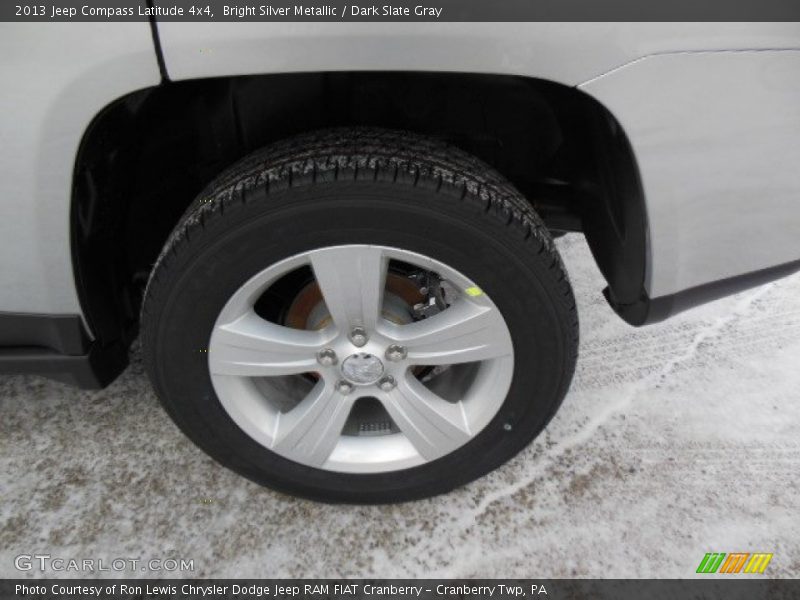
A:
(308, 310)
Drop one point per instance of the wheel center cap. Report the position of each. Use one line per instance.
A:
(362, 368)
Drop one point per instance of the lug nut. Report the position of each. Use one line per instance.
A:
(359, 336)
(387, 384)
(326, 357)
(396, 352)
(344, 387)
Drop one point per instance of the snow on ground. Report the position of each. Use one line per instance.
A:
(675, 440)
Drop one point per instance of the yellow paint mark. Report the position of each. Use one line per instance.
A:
(473, 291)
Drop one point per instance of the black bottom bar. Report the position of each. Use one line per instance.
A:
(734, 587)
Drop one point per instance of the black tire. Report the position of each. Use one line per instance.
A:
(348, 187)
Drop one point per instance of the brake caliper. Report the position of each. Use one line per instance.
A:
(438, 294)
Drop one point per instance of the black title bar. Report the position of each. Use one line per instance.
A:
(401, 10)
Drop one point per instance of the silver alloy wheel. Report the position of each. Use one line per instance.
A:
(361, 354)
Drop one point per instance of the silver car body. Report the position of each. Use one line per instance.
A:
(712, 112)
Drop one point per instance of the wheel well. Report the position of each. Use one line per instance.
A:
(148, 154)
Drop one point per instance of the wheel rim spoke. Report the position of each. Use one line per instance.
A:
(464, 332)
(352, 280)
(310, 431)
(434, 426)
(253, 347)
